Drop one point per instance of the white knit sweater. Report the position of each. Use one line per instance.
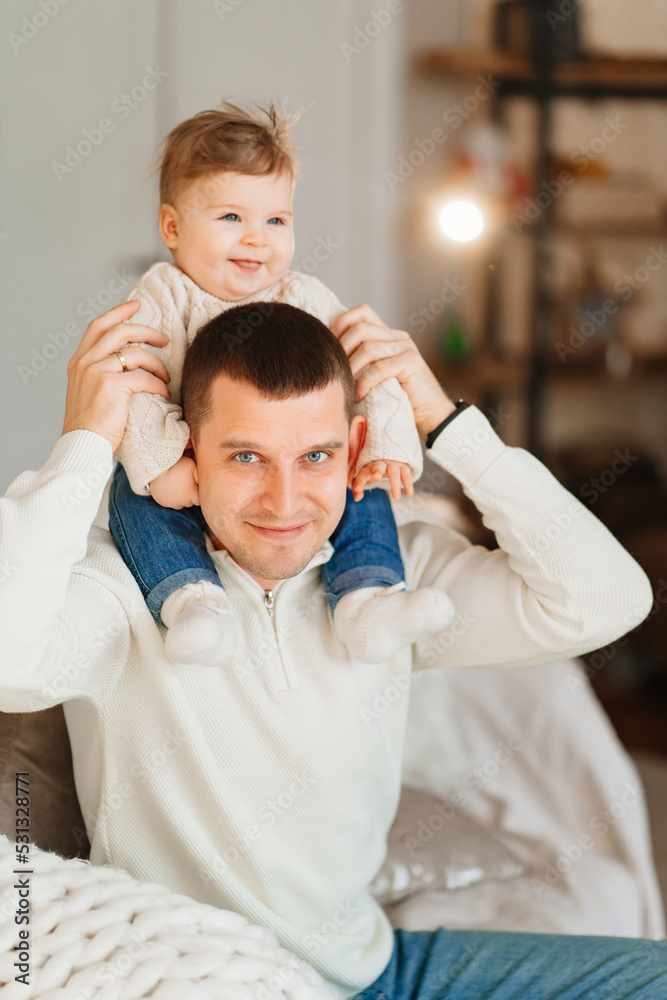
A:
(268, 787)
(156, 433)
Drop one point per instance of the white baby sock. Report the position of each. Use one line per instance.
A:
(375, 622)
(200, 625)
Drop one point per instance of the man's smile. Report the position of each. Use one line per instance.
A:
(279, 534)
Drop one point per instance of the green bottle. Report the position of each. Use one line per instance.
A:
(454, 342)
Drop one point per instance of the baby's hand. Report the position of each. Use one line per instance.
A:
(177, 487)
(395, 472)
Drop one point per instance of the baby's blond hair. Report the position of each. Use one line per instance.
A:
(233, 138)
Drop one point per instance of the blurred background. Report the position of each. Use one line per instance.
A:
(490, 176)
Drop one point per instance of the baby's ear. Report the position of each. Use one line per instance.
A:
(168, 225)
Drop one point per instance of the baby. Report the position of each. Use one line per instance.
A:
(226, 185)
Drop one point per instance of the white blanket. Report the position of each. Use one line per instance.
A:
(569, 802)
(96, 933)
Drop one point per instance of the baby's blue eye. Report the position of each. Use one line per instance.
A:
(276, 219)
(230, 215)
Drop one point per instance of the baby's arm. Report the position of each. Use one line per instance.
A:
(392, 447)
(156, 435)
(391, 441)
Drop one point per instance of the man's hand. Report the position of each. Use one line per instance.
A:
(178, 486)
(98, 390)
(377, 353)
(396, 472)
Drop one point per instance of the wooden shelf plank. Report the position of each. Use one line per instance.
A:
(608, 231)
(484, 373)
(640, 374)
(490, 373)
(471, 62)
(598, 73)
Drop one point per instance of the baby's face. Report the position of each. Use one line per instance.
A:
(232, 233)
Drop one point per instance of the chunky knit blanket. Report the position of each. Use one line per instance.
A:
(96, 933)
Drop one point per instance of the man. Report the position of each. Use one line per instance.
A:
(265, 787)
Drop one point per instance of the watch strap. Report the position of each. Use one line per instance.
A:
(460, 406)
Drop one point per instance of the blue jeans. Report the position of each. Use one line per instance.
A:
(505, 965)
(165, 549)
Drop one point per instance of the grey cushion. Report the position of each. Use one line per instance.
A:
(38, 742)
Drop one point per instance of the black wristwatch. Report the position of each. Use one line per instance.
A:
(460, 406)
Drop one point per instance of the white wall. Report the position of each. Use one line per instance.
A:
(429, 260)
(64, 237)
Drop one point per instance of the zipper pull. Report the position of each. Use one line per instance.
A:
(268, 602)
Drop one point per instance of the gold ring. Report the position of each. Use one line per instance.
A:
(122, 361)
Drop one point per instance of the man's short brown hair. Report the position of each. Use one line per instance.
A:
(230, 138)
(273, 347)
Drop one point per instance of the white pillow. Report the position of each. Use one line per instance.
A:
(433, 847)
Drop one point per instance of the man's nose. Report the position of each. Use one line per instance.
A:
(282, 496)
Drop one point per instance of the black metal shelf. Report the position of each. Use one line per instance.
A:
(545, 81)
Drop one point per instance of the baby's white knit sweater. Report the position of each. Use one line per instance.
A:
(173, 303)
(268, 786)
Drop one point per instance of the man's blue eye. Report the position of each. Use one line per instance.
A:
(316, 453)
(243, 455)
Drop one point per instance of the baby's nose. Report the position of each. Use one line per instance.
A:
(254, 235)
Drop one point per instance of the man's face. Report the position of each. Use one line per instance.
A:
(232, 233)
(273, 474)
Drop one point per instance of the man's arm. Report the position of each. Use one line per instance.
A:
(51, 627)
(559, 585)
(48, 616)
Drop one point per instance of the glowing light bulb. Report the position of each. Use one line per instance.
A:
(461, 221)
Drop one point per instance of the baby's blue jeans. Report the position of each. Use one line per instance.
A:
(165, 549)
(505, 965)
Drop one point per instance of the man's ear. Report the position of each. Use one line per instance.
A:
(191, 452)
(357, 438)
(168, 223)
